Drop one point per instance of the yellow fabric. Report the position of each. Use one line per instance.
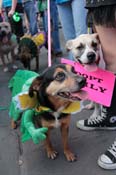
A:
(26, 102)
(41, 109)
(38, 39)
(73, 107)
(26, 36)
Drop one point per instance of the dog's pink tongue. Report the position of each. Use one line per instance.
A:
(5, 39)
(91, 67)
(82, 95)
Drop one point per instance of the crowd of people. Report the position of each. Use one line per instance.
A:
(31, 11)
(73, 17)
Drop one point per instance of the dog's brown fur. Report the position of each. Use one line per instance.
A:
(27, 51)
(70, 83)
(55, 88)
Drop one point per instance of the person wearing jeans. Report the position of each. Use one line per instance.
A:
(30, 11)
(73, 18)
(55, 26)
(103, 14)
(10, 7)
(42, 5)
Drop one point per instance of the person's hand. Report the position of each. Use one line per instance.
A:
(10, 13)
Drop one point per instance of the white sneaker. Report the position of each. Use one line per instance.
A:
(5, 69)
(108, 159)
(14, 66)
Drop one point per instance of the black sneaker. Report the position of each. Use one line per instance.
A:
(108, 159)
(104, 121)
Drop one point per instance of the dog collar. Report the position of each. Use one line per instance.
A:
(24, 101)
(73, 107)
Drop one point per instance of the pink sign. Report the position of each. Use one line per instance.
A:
(100, 83)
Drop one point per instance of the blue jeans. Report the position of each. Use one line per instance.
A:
(73, 18)
(30, 11)
(55, 29)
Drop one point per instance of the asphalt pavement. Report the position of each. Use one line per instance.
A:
(18, 158)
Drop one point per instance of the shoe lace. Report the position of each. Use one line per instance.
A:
(97, 119)
(112, 149)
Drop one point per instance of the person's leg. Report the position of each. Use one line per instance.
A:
(79, 17)
(66, 18)
(26, 22)
(17, 27)
(55, 28)
(107, 119)
(45, 21)
(108, 159)
(29, 9)
(108, 41)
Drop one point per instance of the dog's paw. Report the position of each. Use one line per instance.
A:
(52, 154)
(70, 156)
(13, 124)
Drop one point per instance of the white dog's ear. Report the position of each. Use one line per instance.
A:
(69, 44)
(96, 36)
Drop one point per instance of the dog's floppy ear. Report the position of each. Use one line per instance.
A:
(35, 86)
(96, 36)
(69, 44)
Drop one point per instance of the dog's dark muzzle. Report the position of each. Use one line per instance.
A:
(91, 57)
(3, 34)
(81, 82)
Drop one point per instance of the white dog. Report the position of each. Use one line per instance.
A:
(86, 50)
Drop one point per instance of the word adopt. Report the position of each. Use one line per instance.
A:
(99, 85)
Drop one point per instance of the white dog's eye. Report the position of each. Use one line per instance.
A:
(81, 46)
(94, 44)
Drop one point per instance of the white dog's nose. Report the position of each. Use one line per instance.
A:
(91, 57)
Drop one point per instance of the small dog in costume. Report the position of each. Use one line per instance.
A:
(29, 47)
(8, 44)
(35, 97)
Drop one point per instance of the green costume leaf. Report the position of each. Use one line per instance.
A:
(20, 82)
(28, 129)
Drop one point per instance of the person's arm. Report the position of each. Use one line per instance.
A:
(13, 7)
(0, 6)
